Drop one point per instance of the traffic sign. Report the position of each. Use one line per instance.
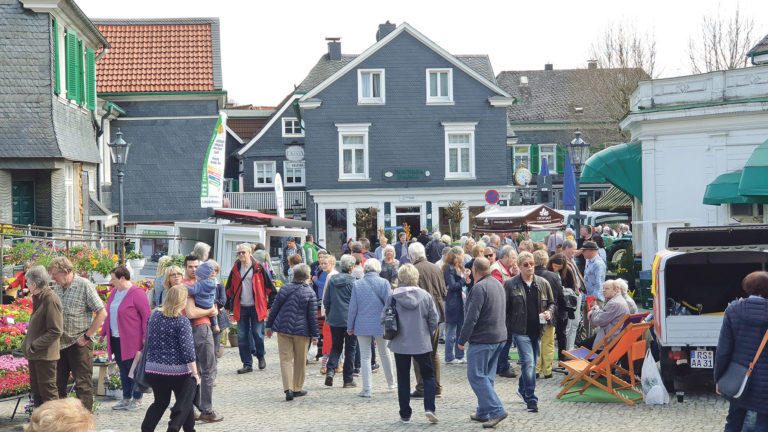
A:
(492, 196)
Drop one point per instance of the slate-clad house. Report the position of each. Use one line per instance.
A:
(165, 74)
(404, 128)
(49, 116)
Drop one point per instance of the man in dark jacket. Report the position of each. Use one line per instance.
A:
(529, 299)
(423, 238)
(434, 248)
(544, 366)
(338, 292)
(484, 327)
(432, 281)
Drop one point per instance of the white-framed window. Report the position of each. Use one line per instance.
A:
(293, 173)
(370, 86)
(439, 86)
(522, 157)
(547, 151)
(292, 127)
(353, 151)
(459, 150)
(263, 173)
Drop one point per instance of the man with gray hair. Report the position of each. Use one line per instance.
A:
(495, 244)
(432, 281)
(336, 297)
(434, 248)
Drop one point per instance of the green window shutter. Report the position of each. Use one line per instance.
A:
(71, 63)
(80, 74)
(90, 96)
(560, 158)
(534, 158)
(56, 86)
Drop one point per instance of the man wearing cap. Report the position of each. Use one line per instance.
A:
(594, 270)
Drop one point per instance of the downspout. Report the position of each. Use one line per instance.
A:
(99, 126)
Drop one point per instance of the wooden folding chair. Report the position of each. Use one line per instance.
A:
(629, 341)
(586, 353)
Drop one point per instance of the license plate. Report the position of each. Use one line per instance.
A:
(702, 359)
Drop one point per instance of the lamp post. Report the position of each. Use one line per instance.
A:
(578, 150)
(119, 149)
(296, 207)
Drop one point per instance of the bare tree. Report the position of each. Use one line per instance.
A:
(724, 42)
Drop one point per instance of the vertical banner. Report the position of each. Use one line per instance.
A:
(212, 187)
(279, 199)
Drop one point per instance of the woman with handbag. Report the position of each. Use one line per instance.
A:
(169, 365)
(294, 317)
(741, 344)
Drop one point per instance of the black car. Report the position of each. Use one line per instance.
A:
(157, 255)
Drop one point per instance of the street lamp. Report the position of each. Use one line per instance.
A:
(578, 150)
(119, 149)
(296, 207)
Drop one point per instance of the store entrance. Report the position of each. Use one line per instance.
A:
(411, 216)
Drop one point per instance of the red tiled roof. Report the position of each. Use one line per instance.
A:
(246, 128)
(156, 58)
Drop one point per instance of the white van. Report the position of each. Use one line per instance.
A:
(694, 280)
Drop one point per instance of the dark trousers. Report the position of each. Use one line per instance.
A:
(42, 380)
(79, 361)
(341, 340)
(503, 364)
(182, 414)
(739, 420)
(560, 326)
(427, 376)
(124, 366)
(435, 357)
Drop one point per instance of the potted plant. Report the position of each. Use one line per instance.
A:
(102, 263)
(233, 335)
(137, 259)
(112, 384)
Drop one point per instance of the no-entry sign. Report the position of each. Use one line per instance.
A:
(492, 196)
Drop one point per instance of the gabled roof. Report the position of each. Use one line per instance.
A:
(284, 105)
(760, 48)
(160, 55)
(326, 72)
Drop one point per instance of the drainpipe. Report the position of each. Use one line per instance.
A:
(103, 53)
(99, 126)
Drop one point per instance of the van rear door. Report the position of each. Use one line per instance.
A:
(721, 238)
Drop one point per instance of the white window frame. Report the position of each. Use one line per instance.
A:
(381, 100)
(256, 183)
(542, 154)
(292, 135)
(442, 99)
(286, 177)
(460, 128)
(353, 129)
(528, 156)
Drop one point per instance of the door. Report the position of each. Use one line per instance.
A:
(23, 198)
(411, 216)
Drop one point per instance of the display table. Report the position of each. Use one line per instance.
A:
(16, 398)
(104, 369)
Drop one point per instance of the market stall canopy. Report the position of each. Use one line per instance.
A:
(614, 199)
(725, 190)
(518, 218)
(258, 218)
(754, 177)
(594, 217)
(621, 165)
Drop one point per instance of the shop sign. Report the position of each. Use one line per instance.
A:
(406, 174)
(294, 153)
(154, 232)
(294, 165)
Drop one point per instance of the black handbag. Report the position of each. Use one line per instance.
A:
(736, 377)
(391, 326)
(140, 381)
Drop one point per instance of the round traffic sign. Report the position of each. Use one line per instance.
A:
(492, 196)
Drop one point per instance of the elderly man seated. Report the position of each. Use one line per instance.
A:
(608, 316)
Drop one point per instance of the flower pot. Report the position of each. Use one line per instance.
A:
(114, 393)
(233, 340)
(98, 279)
(138, 264)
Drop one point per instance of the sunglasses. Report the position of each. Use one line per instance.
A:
(528, 264)
(489, 256)
(242, 252)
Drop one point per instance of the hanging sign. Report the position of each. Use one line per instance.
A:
(212, 186)
(279, 199)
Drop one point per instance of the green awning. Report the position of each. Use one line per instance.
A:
(725, 190)
(621, 165)
(754, 178)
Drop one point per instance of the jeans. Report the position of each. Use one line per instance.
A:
(206, 365)
(741, 420)
(124, 365)
(482, 360)
(573, 326)
(341, 340)
(250, 329)
(427, 374)
(366, 351)
(528, 349)
(182, 414)
(451, 346)
(503, 364)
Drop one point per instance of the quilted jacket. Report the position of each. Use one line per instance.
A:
(744, 325)
(294, 311)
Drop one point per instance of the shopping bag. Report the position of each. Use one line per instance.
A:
(654, 392)
(312, 352)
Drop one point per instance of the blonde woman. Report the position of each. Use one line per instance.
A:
(170, 363)
(159, 289)
(62, 415)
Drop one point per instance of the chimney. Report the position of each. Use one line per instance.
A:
(385, 29)
(548, 66)
(591, 64)
(334, 48)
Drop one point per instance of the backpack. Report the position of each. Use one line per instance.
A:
(571, 301)
(391, 327)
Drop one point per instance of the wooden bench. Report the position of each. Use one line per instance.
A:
(104, 369)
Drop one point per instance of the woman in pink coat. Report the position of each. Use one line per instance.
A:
(125, 329)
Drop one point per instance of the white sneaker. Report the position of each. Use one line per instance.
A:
(431, 416)
(134, 404)
(392, 387)
(453, 362)
(123, 404)
(405, 420)
(463, 361)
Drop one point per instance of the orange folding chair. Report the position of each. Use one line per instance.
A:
(586, 353)
(602, 364)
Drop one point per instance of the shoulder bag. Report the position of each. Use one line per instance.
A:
(141, 383)
(391, 326)
(736, 377)
(230, 303)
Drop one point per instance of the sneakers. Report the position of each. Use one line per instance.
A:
(134, 404)
(417, 395)
(262, 363)
(392, 386)
(431, 416)
(364, 394)
(491, 423)
(350, 384)
(462, 361)
(210, 418)
(122, 404)
(475, 417)
(509, 373)
(532, 407)
(522, 398)
(375, 368)
(404, 420)
(453, 362)
(329, 379)
(245, 370)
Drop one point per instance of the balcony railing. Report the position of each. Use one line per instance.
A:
(265, 200)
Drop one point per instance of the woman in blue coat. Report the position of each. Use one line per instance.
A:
(744, 325)
(456, 280)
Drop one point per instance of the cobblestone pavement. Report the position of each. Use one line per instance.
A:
(255, 402)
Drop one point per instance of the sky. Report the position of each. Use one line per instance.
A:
(270, 46)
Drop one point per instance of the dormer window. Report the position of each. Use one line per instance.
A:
(370, 86)
(439, 86)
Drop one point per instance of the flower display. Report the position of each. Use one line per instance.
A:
(112, 381)
(145, 284)
(14, 375)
